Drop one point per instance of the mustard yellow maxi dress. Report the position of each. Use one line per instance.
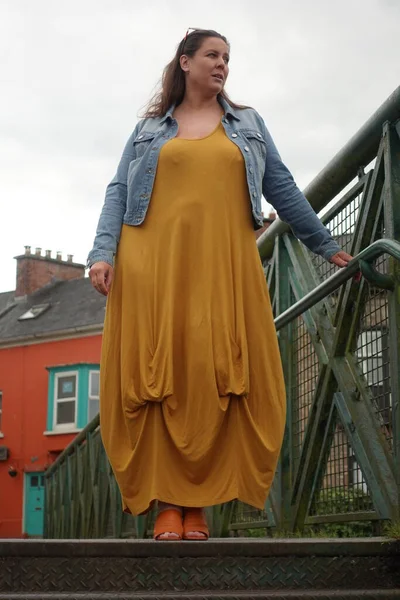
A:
(192, 400)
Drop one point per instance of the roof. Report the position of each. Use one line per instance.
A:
(73, 305)
(5, 299)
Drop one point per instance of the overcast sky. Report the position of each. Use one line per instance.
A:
(75, 74)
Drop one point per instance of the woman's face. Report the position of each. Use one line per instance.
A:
(208, 69)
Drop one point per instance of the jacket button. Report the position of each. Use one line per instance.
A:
(140, 137)
(259, 135)
(254, 194)
(251, 169)
(246, 148)
(234, 134)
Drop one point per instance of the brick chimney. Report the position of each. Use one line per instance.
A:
(267, 222)
(35, 270)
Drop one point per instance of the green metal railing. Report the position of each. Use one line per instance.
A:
(340, 346)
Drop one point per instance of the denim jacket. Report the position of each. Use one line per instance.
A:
(129, 193)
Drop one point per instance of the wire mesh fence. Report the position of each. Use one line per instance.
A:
(305, 369)
(341, 486)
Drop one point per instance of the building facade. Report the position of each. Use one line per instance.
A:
(50, 341)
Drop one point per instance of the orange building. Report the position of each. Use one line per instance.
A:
(50, 339)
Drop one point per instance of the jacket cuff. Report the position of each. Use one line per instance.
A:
(100, 256)
(330, 250)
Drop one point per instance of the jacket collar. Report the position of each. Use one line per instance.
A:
(228, 111)
(168, 114)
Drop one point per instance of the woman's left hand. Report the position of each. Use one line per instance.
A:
(341, 259)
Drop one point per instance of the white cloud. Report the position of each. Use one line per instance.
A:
(75, 75)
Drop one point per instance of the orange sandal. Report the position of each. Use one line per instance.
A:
(194, 520)
(169, 520)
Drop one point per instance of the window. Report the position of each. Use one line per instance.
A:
(373, 356)
(94, 390)
(1, 409)
(356, 477)
(73, 397)
(65, 400)
(37, 481)
(34, 312)
(370, 355)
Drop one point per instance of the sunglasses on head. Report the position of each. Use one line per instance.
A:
(189, 31)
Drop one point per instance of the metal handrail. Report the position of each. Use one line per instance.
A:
(81, 437)
(369, 254)
(341, 170)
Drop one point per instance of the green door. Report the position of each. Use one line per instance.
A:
(34, 504)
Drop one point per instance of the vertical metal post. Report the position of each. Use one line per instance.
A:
(392, 230)
(47, 508)
(283, 301)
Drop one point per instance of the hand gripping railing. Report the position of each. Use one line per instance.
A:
(363, 261)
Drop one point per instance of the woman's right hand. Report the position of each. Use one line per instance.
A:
(101, 276)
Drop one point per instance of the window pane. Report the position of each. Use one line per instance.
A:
(66, 387)
(93, 409)
(94, 383)
(65, 412)
(42, 481)
(34, 481)
(373, 370)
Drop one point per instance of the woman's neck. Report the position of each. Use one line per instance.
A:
(196, 102)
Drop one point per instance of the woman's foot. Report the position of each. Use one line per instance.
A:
(168, 525)
(195, 524)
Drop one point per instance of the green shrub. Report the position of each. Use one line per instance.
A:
(342, 500)
(392, 529)
(332, 502)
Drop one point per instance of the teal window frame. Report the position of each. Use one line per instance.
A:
(69, 400)
(82, 371)
(91, 396)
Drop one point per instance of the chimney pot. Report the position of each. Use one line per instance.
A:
(37, 269)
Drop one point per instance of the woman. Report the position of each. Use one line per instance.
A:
(192, 393)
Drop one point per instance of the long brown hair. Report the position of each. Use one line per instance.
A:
(173, 82)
